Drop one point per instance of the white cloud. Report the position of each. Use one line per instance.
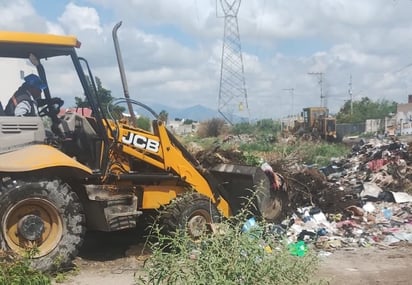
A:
(54, 28)
(172, 49)
(20, 15)
(76, 18)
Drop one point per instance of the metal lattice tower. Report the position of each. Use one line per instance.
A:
(232, 90)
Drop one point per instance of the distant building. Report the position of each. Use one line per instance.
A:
(180, 128)
(373, 126)
(404, 118)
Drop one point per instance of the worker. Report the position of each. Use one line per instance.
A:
(24, 100)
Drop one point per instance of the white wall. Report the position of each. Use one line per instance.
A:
(372, 126)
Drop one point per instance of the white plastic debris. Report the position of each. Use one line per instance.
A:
(369, 207)
(401, 197)
(266, 167)
(370, 189)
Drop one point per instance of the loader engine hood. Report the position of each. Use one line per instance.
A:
(41, 157)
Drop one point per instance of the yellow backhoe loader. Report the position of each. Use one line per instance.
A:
(64, 173)
(316, 123)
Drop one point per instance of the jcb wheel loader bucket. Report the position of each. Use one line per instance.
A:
(242, 183)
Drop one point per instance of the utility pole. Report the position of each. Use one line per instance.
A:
(350, 95)
(320, 82)
(291, 92)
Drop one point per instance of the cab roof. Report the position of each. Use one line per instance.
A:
(21, 44)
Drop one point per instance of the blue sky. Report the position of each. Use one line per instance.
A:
(172, 49)
(49, 9)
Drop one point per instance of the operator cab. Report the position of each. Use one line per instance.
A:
(25, 53)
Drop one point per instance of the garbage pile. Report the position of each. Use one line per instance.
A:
(361, 200)
(357, 201)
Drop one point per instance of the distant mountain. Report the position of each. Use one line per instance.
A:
(197, 113)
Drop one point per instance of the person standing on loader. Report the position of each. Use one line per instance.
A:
(24, 101)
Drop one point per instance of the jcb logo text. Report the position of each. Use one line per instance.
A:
(141, 142)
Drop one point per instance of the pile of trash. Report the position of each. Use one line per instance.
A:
(358, 201)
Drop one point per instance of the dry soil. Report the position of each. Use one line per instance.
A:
(114, 259)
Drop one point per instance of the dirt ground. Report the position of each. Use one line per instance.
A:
(391, 265)
(114, 258)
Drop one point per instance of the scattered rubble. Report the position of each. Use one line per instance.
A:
(216, 155)
(358, 201)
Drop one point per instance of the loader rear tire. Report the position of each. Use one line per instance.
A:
(192, 212)
(43, 215)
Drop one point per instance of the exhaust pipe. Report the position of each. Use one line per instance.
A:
(121, 68)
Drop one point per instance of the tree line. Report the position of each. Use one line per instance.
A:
(364, 109)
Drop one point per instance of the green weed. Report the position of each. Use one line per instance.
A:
(226, 256)
(319, 153)
(16, 270)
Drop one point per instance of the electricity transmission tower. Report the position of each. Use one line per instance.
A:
(232, 89)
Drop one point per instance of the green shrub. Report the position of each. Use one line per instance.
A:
(143, 123)
(268, 126)
(251, 159)
(242, 128)
(321, 153)
(265, 126)
(228, 256)
(312, 153)
(16, 270)
(212, 128)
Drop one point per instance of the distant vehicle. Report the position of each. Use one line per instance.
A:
(317, 123)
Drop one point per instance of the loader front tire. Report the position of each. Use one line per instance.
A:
(43, 217)
(192, 212)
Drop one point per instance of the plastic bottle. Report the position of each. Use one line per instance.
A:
(387, 213)
(250, 223)
(252, 228)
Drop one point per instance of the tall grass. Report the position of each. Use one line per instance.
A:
(226, 256)
(305, 152)
(319, 153)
